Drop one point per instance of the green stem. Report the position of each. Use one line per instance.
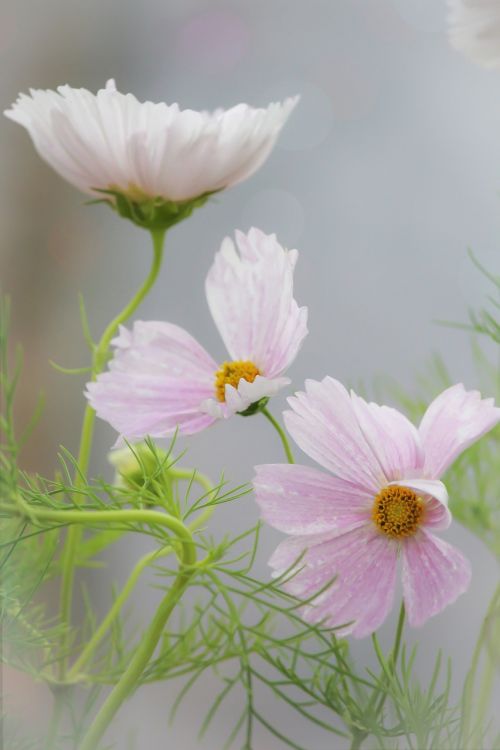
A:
(125, 593)
(388, 671)
(130, 678)
(281, 433)
(467, 698)
(357, 740)
(114, 611)
(195, 476)
(99, 360)
(97, 517)
(51, 739)
(393, 659)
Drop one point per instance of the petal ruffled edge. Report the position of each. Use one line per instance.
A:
(452, 423)
(325, 426)
(249, 291)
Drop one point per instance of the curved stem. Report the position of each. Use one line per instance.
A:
(99, 359)
(281, 433)
(125, 593)
(115, 609)
(128, 681)
(195, 476)
(96, 517)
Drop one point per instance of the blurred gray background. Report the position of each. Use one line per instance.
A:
(387, 171)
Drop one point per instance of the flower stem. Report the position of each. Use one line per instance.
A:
(130, 678)
(99, 360)
(281, 433)
(187, 555)
(393, 659)
(134, 576)
(388, 671)
(357, 740)
(50, 741)
(469, 692)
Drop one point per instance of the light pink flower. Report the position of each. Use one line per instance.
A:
(474, 30)
(383, 501)
(161, 379)
(110, 140)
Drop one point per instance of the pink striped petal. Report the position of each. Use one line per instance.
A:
(325, 425)
(301, 500)
(364, 563)
(156, 383)
(250, 296)
(434, 575)
(452, 422)
(391, 436)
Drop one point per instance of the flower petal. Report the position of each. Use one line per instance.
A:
(433, 487)
(434, 575)
(437, 514)
(240, 398)
(301, 500)
(156, 383)
(364, 563)
(325, 425)
(146, 150)
(250, 296)
(474, 30)
(393, 439)
(452, 422)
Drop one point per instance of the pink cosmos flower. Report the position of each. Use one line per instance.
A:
(383, 501)
(161, 379)
(144, 150)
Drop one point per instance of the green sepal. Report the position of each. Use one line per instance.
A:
(255, 407)
(151, 213)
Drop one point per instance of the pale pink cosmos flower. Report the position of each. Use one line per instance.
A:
(160, 379)
(111, 141)
(474, 30)
(383, 501)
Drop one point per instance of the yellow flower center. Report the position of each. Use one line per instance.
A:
(397, 511)
(231, 373)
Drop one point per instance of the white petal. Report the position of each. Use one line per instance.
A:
(474, 30)
(111, 140)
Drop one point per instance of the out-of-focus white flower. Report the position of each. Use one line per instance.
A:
(143, 152)
(474, 30)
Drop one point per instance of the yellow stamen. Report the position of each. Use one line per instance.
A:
(397, 511)
(231, 373)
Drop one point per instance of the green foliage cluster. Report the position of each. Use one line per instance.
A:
(246, 632)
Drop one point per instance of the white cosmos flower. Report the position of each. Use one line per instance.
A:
(474, 30)
(111, 141)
